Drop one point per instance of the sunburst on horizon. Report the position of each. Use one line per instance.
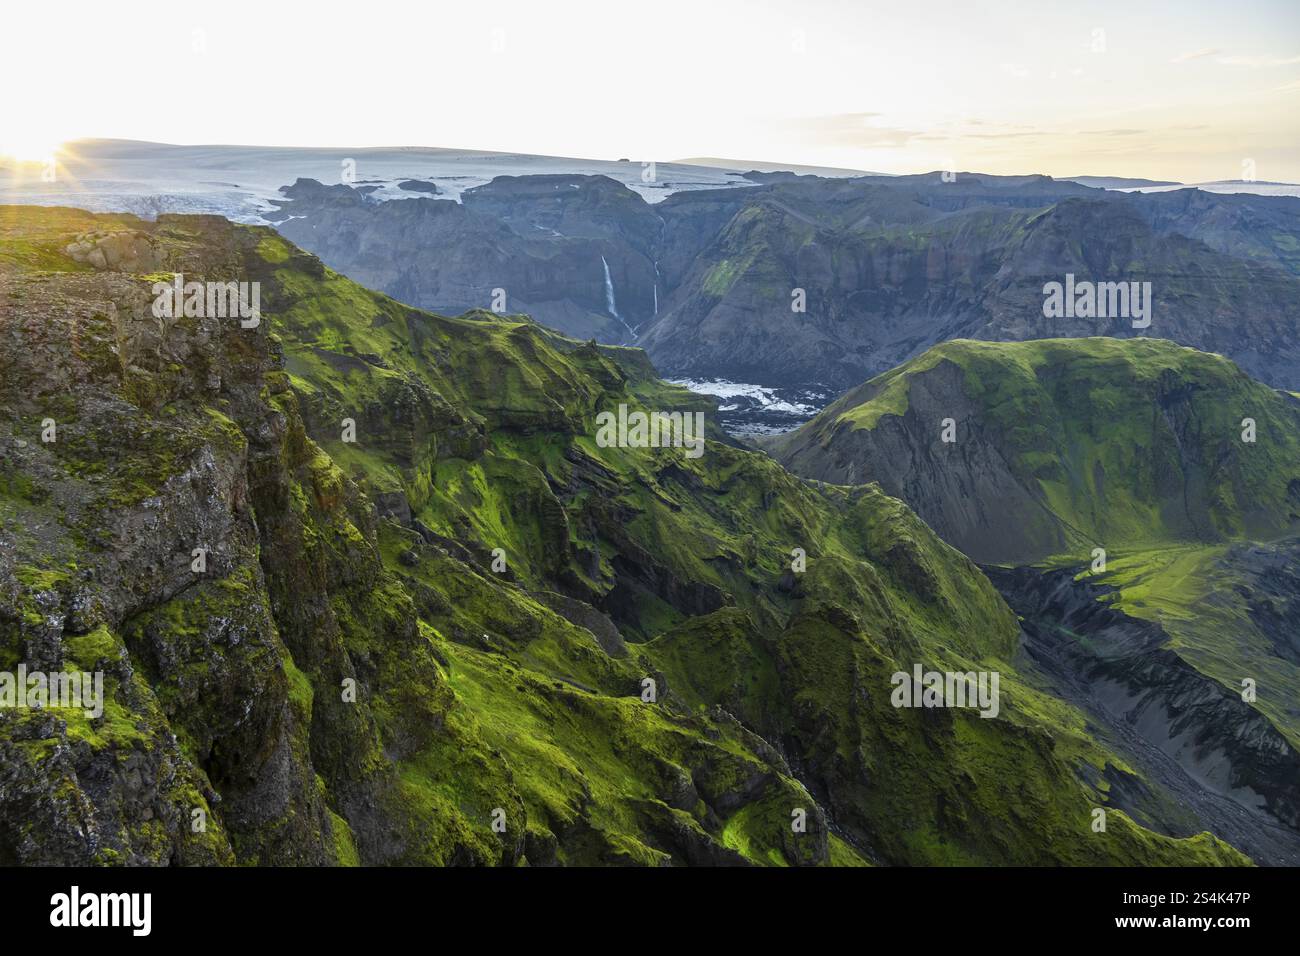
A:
(31, 147)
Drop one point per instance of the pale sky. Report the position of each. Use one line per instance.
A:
(1189, 91)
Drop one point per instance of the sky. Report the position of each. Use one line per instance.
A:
(1189, 91)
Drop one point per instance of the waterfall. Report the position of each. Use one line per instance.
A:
(656, 288)
(610, 305)
(609, 292)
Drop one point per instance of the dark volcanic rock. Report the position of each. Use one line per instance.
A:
(418, 186)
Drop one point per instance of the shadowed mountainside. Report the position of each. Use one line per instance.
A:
(888, 266)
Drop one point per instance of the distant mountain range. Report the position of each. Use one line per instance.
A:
(803, 281)
(766, 166)
(1117, 182)
(111, 175)
(770, 276)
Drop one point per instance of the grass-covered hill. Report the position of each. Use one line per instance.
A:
(1061, 446)
(352, 675)
(1164, 596)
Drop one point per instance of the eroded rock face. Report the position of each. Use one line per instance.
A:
(887, 272)
(212, 747)
(966, 490)
(125, 251)
(1131, 680)
(530, 244)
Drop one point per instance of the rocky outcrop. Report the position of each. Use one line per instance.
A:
(198, 586)
(125, 251)
(1213, 751)
(418, 186)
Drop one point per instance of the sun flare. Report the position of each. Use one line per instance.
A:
(29, 149)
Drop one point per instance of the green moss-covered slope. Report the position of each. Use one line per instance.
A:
(437, 623)
(1060, 446)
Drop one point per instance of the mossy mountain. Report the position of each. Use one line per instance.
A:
(1058, 446)
(1150, 496)
(496, 718)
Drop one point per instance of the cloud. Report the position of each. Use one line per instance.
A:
(853, 129)
(860, 130)
(1007, 135)
(1257, 62)
(1195, 55)
(1264, 61)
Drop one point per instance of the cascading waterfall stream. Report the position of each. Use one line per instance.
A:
(610, 305)
(656, 288)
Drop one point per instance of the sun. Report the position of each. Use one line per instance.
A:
(29, 149)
